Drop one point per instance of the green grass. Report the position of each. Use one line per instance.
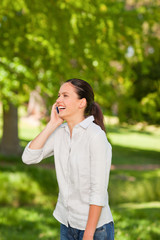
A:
(126, 155)
(131, 137)
(137, 221)
(28, 132)
(28, 197)
(130, 144)
(128, 186)
(32, 185)
(27, 185)
(29, 193)
(132, 222)
(135, 145)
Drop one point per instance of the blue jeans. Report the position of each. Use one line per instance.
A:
(106, 232)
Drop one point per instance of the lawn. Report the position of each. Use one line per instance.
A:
(134, 144)
(29, 193)
(138, 144)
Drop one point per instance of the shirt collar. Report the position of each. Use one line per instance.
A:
(84, 124)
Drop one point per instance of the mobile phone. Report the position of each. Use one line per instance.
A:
(57, 109)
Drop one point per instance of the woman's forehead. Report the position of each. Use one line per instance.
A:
(67, 87)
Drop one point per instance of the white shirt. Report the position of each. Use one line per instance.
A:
(82, 167)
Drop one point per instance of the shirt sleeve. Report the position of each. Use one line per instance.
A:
(33, 156)
(101, 155)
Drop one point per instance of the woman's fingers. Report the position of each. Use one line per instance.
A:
(54, 114)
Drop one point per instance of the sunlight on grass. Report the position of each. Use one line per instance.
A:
(137, 221)
(28, 223)
(28, 132)
(136, 140)
(128, 136)
(139, 136)
(140, 205)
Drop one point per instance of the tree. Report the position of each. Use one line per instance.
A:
(45, 43)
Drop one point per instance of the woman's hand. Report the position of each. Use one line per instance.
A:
(54, 122)
(93, 217)
(87, 236)
(55, 118)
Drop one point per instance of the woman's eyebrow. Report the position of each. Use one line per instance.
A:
(63, 93)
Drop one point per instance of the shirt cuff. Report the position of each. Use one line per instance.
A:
(31, 156)
(99, 200)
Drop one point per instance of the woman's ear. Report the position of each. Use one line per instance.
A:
(83, 103)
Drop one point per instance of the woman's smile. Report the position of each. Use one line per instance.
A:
(61, 108)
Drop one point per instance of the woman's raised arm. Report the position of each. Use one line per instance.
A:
(41, 146)
(54, 122)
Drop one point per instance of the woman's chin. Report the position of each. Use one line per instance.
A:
(62, 115)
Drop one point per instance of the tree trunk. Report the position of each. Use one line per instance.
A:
(10, 141)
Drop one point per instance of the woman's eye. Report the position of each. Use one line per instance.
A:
(65, 95)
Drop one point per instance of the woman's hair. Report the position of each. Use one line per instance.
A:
(84, 90)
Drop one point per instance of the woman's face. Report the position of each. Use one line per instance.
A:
(68, 103)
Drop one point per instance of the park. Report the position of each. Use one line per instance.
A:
(113, 45)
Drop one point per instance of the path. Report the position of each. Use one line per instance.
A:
(138, 167)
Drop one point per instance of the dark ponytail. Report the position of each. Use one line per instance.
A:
(98, 115)
(84, 90)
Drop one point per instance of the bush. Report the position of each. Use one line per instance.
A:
(131, 186)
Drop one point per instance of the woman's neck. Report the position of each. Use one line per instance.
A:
(73, 122)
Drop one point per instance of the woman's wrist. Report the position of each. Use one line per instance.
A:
(53, 125)
(40, 140)
(88, 235)
(93, 217)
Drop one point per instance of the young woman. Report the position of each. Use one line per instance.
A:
(82, 157)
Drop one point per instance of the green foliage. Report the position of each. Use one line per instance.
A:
(12, 73)
(27, 187)
(130, 110)
(132, 186)
(151, 105)
(28, 223)
(43, 44)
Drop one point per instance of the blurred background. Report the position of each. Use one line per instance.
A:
(115, 46)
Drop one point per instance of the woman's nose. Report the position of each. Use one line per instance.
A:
(58, 100)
